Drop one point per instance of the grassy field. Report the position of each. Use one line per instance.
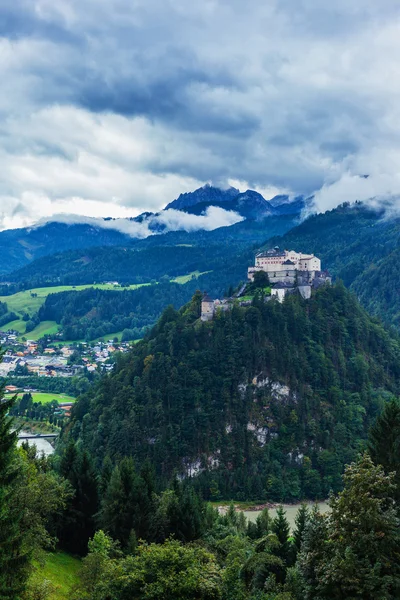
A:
(45, 398)
(185, 278)
(24, 302)
(18, 326)
(44, 328)
(61, 570)
(29, 302)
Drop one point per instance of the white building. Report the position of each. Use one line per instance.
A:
(282, 265)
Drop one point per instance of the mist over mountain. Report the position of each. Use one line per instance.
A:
(205, 210)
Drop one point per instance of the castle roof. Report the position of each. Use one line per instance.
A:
(288, 262)
(273, 252)
(206, 298)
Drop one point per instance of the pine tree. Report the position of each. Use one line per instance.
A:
(301, 520)
(281, 528)
(106, 473)
(362, 558)
(384, 441)
(14, 562)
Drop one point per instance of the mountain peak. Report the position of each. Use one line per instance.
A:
(205, 194)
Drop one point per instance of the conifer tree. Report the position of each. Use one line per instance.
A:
(301, 520)
(14, 561)
(281, 528)
(384, 441)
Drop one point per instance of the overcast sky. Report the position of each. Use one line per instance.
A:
(112, 107)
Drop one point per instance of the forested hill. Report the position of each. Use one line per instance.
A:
(265, 401)
(362, 247)
(174, 253)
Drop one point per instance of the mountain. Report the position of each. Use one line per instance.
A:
(284, 205)
(359, 245)
(21, 246)
(266, 401)
(173, 254)
(207, 194)
(248, 204)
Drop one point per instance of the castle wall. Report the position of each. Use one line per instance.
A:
(207, 311)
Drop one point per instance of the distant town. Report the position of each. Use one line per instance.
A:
(36, 358)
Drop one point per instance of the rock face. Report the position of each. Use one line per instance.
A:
(249, 204)
(207, 194)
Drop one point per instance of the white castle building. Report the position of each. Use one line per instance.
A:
(282, 265)
(289, 272)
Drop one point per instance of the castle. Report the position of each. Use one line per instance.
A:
(288, 272)
(282, 265)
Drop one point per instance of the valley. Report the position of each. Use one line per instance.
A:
(257, 390)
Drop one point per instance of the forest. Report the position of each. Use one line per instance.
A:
(265, 401)
(93, 313)
(140, 540)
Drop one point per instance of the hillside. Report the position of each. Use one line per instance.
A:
(173, 254)
(266, 401)
(360, 246)
(93, 313)
(19, 247)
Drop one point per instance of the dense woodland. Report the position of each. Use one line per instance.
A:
(142, 540)
(266, 401)
(93, 313)
(170, 254)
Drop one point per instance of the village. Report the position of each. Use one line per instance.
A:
(278, 273)
(35, 358)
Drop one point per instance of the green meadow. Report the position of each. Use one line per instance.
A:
(61, 570)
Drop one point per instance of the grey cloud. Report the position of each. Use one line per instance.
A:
(169, 220)
(122, 102)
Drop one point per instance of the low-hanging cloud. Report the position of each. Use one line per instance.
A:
(168, 220)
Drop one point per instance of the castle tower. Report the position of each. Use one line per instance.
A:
(207, 308)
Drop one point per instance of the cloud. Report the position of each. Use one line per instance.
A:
(168, 220)
(115, 107)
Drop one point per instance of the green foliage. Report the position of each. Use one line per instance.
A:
(301, 521)
(78, 522)
(14, 555)
(93, 313)
(266, 401)
(30, 497)
(355, 553)
(359, 245)
(384, 441)
(169, 571)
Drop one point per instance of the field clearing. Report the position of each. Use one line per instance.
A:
(185, 278)
(44, 328)
(18, 326)
(62, 570)
(46, 397)
(23, 302)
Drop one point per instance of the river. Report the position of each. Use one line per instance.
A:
(291, 511)
(41, 444)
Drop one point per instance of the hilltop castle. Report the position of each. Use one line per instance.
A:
(288, 272)
(282, 265)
